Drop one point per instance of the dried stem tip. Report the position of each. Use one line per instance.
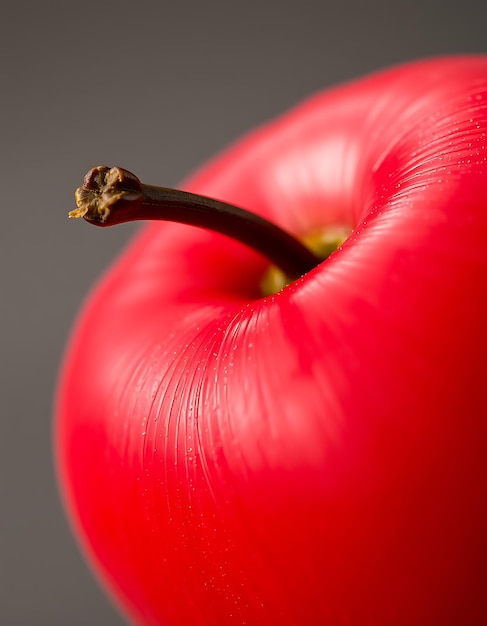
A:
(103, 187)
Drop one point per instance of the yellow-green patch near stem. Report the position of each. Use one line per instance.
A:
(322, 242)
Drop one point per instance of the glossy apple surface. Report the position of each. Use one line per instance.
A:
(316, 456)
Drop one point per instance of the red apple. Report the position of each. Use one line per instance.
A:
(315, 456)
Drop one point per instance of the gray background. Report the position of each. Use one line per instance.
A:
(156, 87)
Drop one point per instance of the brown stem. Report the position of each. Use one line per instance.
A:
(112, 196)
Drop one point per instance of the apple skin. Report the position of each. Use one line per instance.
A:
(316, 456)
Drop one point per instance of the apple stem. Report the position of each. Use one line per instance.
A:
(114, 195)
